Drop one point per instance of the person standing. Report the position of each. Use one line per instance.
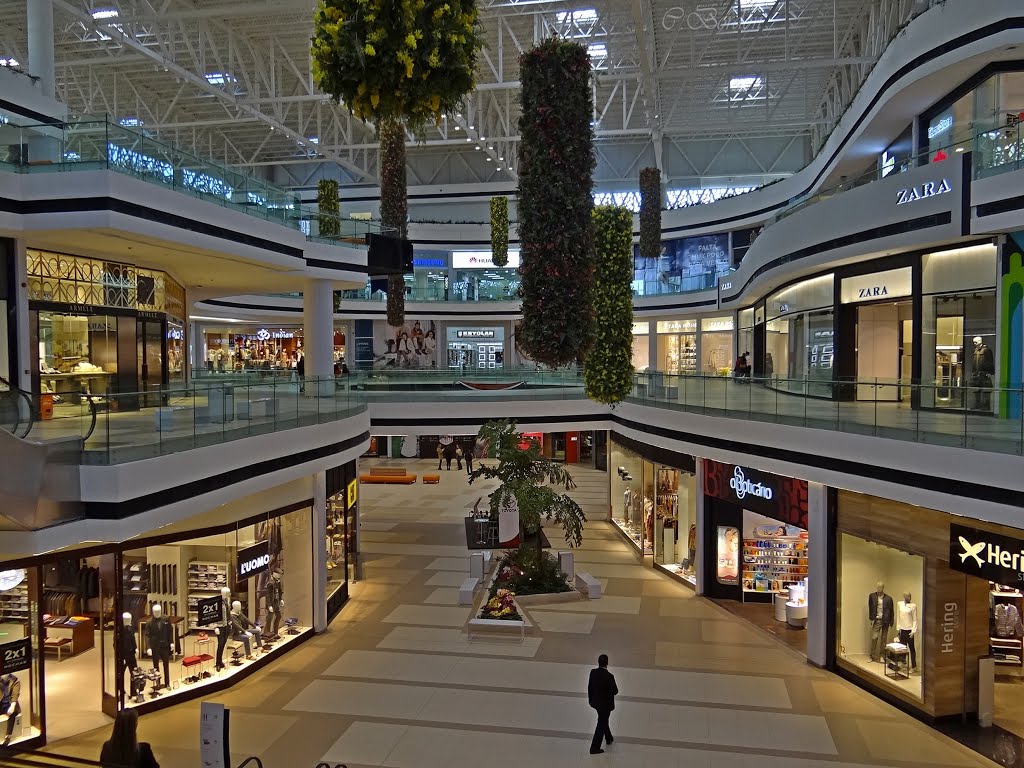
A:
(440, 455)
(458, 457)
(449, 454)
(300, 372)
(469, 462)
(601, 692)
(124, 747)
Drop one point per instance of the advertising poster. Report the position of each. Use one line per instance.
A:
(411, 345)
(728, 555)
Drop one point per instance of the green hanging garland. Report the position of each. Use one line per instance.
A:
(329, 210)
(650, 212)
(556, 163)
(608, 376)
(394, 206)
(499, 231)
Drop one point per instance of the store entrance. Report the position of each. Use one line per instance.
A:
(150, 342)
(885, 351)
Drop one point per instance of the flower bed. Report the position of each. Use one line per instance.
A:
(501, 606)
(524, 572)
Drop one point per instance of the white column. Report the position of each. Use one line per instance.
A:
(319, 529)
(40, 44)
(701, 528)
(817, 573)
(21, 369)
(318, 336)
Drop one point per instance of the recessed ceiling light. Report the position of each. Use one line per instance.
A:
(488, 159)
(959, 149)
(477, 147)
(468, 139)
(471, 127)
(457, 128)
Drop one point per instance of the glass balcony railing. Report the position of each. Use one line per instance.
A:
(99, 144)
(875, 407)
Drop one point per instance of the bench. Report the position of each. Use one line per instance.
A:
(467, 589)
(58, 644)
(165, 417)
(252, 409)
(497, 628)
(431, 479)
(587, 583)
(388, 475)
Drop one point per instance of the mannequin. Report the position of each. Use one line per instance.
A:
(906, 625)
(880, 616)
(245, 629)
(981, 377)
(275, 603)
(158, 632)
(223, 628)
(127, 648)
(10, 692)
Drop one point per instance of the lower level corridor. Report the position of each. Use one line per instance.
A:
(395, 682)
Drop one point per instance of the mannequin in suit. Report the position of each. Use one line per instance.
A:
(158, 632)
(223, 628)
(880, 615)
(981, 378)
(275, 603)
(128, 648)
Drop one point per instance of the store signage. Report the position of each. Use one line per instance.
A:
(950, 625)
(877, 286)
(352, 493)
(175, 334)
(986, 555)
(480, 333)
(16, 656)
(482, 260)
(208, 612)
(726, 286)
(253, 560)
(429, 263)
(11, 579)
(741, 485)
(264, 335)
(641, 329)
(147, 314)
(940, 127)
(677, 326)
(922, 191)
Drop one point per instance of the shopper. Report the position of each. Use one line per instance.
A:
(601, 692)
(458, 457)
(449, 454)
(440, 455)
(300, 371)
(124, 747)
(469, 462)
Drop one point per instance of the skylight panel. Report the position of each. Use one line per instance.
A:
(103, 14)
(220, 78)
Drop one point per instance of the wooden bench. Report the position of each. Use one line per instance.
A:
(467, 589)
(388, 475)
(587, 583)
(58, 644)
(431, 479)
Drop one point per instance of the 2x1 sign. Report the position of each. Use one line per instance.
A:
(208, 612)
(16, 656)
(986, 555)
(253, 560)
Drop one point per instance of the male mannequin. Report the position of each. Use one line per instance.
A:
(10, 692)
(245, 629)
(906, 625)
(275, 603)
(981, 378)
(880, 615)
(158, 632)
(127, 649)
(223, 627)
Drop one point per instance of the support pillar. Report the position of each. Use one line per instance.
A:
(319, 551)
(818, 535)
(42, 64)
(318, 337)
(701, 527)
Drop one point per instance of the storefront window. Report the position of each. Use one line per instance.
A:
(799, 348)
(19, 655)
(677, 346)
(880, 611)
(486, 285)
(77, 353)
(632, 497)
(716, 345)
(427, 285)
(479, 348)
(745, 335)
(641, 346)
(959, 328)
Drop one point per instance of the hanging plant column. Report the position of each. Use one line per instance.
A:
(394, 206)
(404, 63)
(608, 375)
(556, 165)
(499, 231)
(328, 208)
(650, 213)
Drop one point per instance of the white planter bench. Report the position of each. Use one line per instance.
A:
(467, 589)
(498, 628)
(254, 409)
(587, 583)
(165, 417)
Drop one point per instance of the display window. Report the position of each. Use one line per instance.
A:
(341, 534)
(716, 346)
(641, 346)
(677, 346)
(21, 720)
(486, 284)
(77, 354)
(799, 337)
(879, 613)
(476, 348)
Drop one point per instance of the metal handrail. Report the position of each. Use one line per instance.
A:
(18, 395)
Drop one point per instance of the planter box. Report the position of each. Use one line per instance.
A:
(546, 598)
(498, 627)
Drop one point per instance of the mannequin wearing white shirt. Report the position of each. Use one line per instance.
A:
(906, 625)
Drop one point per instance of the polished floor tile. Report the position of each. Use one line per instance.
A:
(428, 615)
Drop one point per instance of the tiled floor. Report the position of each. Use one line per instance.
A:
(395, 681)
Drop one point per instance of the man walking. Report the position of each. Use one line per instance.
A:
(601, 692)
(440, 455)
(469, 462)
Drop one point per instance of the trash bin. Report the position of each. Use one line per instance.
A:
(46, 406)
(221, 403)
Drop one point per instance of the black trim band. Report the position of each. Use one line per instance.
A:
(1000, 206)
(119, 510)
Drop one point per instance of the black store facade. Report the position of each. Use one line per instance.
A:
(176, 614)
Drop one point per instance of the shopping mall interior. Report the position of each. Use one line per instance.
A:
(367, 373)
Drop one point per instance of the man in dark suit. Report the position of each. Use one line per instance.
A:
(880, 616)
(601, 692)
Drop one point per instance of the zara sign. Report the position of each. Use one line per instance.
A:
(890, 284)
(922, 191)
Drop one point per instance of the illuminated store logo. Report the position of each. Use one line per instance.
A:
(742, 486)
(986, 555)
(476, 334)
(872, 292)
(971, 550)
(251, 566)
(253, 560)
(922, 191)
(263, 335)
(940, 127)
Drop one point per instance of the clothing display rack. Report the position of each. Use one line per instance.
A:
(1006, 631)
